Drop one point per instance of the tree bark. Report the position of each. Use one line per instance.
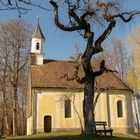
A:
(88, 106)
(5, 115)
(14, 111)
(6, 120)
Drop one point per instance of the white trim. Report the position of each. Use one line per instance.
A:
(58, 111)
(71, 110)
(78, 110)
(102, 105)
(38, 96)
(51, 93)
(111, 111)
(35, 107)
(97, 107)
(124, 107)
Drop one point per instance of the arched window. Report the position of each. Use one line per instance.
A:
(119, 108)
(67, 105)
(37, 46)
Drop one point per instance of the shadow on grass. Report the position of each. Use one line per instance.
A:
(74, 137)
(2, 138)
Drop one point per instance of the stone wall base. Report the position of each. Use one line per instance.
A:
(115, 130)
(59, 130)
(121, 130)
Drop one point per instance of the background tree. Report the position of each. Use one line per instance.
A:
(4, 56)
(14, 45)
(133, 41)
(116, 56)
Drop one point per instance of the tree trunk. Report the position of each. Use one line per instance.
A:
(6, 121)
(14, 110)
(14, 121)
(22, 117)
(88, 106)
(2, 125)
(88, 85)
(5, 111)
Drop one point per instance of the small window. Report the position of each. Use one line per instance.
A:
(67, 105)
(119, 109)
(37, 46)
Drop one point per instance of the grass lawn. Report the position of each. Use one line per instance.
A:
(69, 136)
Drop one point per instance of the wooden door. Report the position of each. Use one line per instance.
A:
(47, 123)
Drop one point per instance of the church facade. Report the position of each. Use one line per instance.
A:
(55, 103)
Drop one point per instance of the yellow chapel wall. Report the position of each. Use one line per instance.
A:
(106, 106)
(122, 124)
(55, 108)
(101, 108)
(106, 110)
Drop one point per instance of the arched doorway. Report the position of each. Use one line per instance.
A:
(47, 123)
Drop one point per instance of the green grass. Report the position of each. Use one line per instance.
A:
(70, 136)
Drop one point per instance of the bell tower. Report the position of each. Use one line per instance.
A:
(37, 43)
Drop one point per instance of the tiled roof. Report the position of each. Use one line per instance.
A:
(52, 73)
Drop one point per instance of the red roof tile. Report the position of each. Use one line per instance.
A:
(51, 75)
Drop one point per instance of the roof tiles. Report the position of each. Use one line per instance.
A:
(52, 75)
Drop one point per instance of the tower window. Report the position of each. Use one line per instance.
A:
(119, 108)
(37, 46)
(67, 105)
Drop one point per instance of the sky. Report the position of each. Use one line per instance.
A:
(61, 45)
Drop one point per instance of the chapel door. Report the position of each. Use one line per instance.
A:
(47, 123)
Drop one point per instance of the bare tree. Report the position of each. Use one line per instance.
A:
(116, 56)
(133, 74)
(81, 16)
(14, 54)
(4, 82)
(19, 42)
(134, 68)
(21, 6)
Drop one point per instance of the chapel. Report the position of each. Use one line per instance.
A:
(56, 104)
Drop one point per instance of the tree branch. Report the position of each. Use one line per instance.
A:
(103, 69)
(33, 4)
(97, 97)
(13, 5)
(130, 14)
(75, 75)
(73, 14)
(105, 34)
(9, 2)
(58, 24)
(89, 13)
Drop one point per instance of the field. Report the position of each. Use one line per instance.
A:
(70, 136)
